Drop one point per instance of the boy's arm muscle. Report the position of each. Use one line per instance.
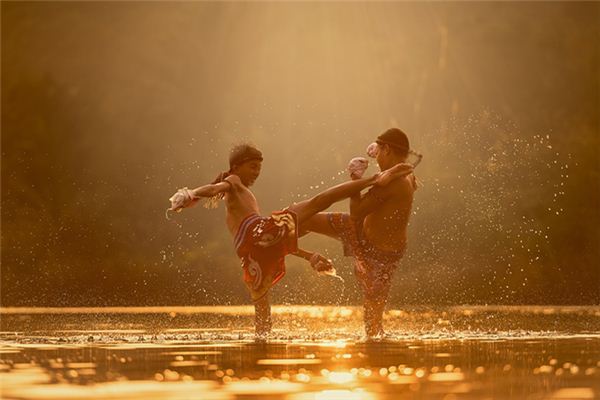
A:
(399, 190)
(212, 189)
(234, 180)
(363, 205)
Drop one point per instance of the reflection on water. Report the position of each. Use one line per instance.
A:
(315, 353)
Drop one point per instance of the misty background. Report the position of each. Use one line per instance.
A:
(109, 107)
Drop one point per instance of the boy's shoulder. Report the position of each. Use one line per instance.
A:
(404, 186)
(400, 188)
(233, 179)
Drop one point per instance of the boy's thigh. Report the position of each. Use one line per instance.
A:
(319, 223)
(304, 210)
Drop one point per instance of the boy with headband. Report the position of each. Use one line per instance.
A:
(263, 242)
(375, 230)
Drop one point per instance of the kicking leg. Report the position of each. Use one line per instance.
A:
(319, 223)
(308, 208)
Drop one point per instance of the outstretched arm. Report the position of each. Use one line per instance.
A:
(211, 189)
(303, 254)
(185, 197)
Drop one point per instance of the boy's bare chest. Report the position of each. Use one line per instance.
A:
(241, 199)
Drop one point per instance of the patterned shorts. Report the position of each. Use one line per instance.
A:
(262, 244)
(373, 268)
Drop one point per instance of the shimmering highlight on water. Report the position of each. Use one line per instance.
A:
(315, 353)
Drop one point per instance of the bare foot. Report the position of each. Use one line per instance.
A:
(397, 171)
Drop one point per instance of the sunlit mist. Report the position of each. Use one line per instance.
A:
(108, 108)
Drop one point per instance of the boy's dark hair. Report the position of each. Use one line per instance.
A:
(239, 154)
(396, 139)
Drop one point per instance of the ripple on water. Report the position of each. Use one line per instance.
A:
(289, 361)
(575, 393)
(194, 355)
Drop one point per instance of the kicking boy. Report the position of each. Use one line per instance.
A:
(263, 242)
(375, 231)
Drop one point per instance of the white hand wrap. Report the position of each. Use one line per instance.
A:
(373, 150)
(357, 167)
(182, 199)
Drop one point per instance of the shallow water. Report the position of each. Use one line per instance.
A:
(520, 352)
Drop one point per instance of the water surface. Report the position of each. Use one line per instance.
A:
(518, 352)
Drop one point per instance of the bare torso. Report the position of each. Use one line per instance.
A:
(241, 203)
(385, 227)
